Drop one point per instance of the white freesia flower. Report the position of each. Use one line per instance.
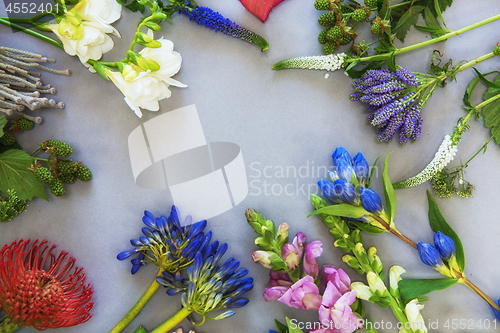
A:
(143, 89)
(83, 31)
(415, 320)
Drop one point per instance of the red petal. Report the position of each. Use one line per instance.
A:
(260, 8)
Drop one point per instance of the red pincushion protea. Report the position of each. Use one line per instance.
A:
(41, 290)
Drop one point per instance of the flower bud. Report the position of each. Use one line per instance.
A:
(429, 255)
(154, 44)
(362, 290)
(289, 253)
(361, 168)
(444, 244)
(340, 154)
(263, 257)
(375, 283)
(395, 276)
(282, 233)
(152, 65)
(263, 243)
(346, 192)
(370, 200)
(129, 73)
(159, 16)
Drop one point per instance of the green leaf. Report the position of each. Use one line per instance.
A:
(14, 174)
(281, 327)
(437, 8)
(485, 80)
(413, 288)
(468, 91)
(140, 329)
(292, 330)
(3, 122)
(491, 112)
(343, 209)
(432, 23)
(14, 146)
(367, 227)
(390, 195)
(372, 172)
(353, 73)
(438, 223)
(408, 19)
(433, 31)
(133, 6)
(391, 64)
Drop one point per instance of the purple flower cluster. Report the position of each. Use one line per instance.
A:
(392, 105)
(214, 20)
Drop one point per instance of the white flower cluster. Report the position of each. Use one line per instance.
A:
(83, 30)
(330, 62)
(445, 154)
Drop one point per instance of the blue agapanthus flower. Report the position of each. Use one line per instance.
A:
(210, 286)
(214, 20)
(393, 103)
(167, 244)
(348, 181)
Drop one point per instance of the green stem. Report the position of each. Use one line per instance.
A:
(395, 231)
(138, 306)
(383, 56)
(173, 321)
(31, 32)
(478, 291)
(7, 326)
(473, 63)
(26, 19)
(399, 314)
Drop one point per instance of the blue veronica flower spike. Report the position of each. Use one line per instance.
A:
(213, 20)
(167, 244)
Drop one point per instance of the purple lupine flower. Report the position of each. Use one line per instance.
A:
(392, 106)
(214, 20)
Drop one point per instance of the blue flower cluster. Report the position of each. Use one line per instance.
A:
(444, 248)
(393, 105)
(168, 244)
(209, 286)
(214, 20)
(348, 182)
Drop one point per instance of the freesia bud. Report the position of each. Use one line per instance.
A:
(129, 73)
(152, 65)
(444, 244)
(154, 44)
(429, 255)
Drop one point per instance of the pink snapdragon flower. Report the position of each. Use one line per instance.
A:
(313, 251)
(278, 284)
(303, 294)
(335, 313)
(291, 253)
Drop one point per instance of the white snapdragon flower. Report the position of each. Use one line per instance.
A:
(395, 276)
(144, 88)
(445, 154)
(415, 320)
(83, 30)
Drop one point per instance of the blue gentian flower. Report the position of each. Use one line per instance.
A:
(429, 255)
(393, 106)
(213, 20)
(209, 286)
(361, 168)
(370, 200)
(167, 244)
(444, 244)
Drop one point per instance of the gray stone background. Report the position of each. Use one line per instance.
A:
(290, 118)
